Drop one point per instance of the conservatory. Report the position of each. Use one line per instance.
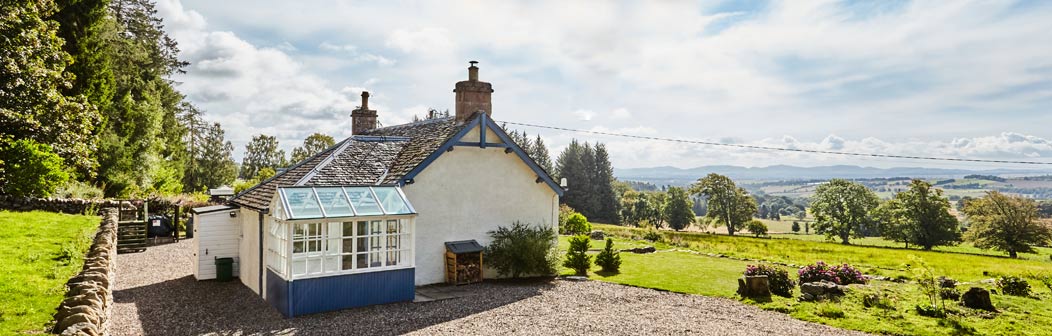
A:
(330, 248)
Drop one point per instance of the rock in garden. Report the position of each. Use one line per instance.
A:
(946, 282)
(597, 235)
(977, 298)
(822, 289)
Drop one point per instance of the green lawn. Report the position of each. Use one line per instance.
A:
(39, 251)
(693, 273)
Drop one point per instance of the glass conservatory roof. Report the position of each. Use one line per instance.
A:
(333, 202)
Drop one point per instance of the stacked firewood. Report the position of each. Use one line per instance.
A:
(468, 268)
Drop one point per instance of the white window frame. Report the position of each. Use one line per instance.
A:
(327, 254)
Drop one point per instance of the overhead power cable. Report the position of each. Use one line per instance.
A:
(798, 150)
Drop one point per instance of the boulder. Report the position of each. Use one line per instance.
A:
(977, 298)
(754, 286)
(945, 282)
(821, 290)
(597, 235)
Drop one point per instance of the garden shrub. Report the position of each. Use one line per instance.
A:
(577, 257)
(930, 311)
(28, 168)
(796, 227)
(576, 224)
(839, 274)
(777, 279)
(77, 189)
(1013, 285)
(522, 250)
(757, 227)
(609, 259)
(951, 294)
(652, 235)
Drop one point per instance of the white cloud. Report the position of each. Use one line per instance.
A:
(926, 77)
(423, 40)
(585, 115)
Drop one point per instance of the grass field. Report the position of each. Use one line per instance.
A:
(39, 251)
(674, 269)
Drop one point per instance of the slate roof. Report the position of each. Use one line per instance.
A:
(379, 156)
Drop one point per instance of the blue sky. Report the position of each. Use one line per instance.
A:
(957, 78)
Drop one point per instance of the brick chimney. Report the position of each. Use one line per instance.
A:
(363, 119)
(473, 95)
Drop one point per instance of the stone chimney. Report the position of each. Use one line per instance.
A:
(473, 95)
(363, 119)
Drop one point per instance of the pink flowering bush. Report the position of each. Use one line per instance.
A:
(777, 279)
(839, 274)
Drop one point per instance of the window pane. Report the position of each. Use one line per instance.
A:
(348, 229)
(297, 247)
(374, 260)
(392, 226)
(363, 244)
(363, 260)
(348, 262)
(348, 245)
(393, 258)
(302, 203)
(334, 202)
(363, 228)
(392, 202)
(377, 227)
(363, 201)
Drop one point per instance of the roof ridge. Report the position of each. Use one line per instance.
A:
(413, 123)
(286, 171)
(321, 165)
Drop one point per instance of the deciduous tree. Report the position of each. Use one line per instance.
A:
(678, 209)
(921, 216)
(261, 152)
(842, 209)
(1005, 223)
(313, 144)
(728, 204)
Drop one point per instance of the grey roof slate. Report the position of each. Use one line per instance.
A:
(379, 156)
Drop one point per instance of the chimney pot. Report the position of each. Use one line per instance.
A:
(365, 100)
(473, 72)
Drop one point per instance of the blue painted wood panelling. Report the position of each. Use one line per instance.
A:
(278, 293)
(324, 294)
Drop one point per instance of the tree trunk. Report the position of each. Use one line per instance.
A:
(845, 238)
(1013, 254)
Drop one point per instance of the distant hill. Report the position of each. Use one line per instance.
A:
(680, 176)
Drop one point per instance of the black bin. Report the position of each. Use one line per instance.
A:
(224, 269)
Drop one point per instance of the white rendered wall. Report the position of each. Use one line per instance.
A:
(466, 193)
(215, 236)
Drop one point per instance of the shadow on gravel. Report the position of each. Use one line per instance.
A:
(185, 306)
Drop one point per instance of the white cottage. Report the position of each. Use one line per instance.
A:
(366, 220)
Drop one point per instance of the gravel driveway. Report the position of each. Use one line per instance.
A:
(156, 294)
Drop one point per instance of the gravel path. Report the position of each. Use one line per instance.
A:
(156, 294)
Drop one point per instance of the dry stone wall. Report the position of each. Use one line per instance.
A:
(63, 205)
(86, 307)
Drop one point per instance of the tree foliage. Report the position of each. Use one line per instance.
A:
(215, 160)
(728, 204)
(261, 152)
(313, 144)
(609, 258)
(33, 76)
(28, 168)
(589, 174)
(577, 257)
(920, 216)
(842, 209)
(1005, 223)
(756, 227)
(678, 211)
